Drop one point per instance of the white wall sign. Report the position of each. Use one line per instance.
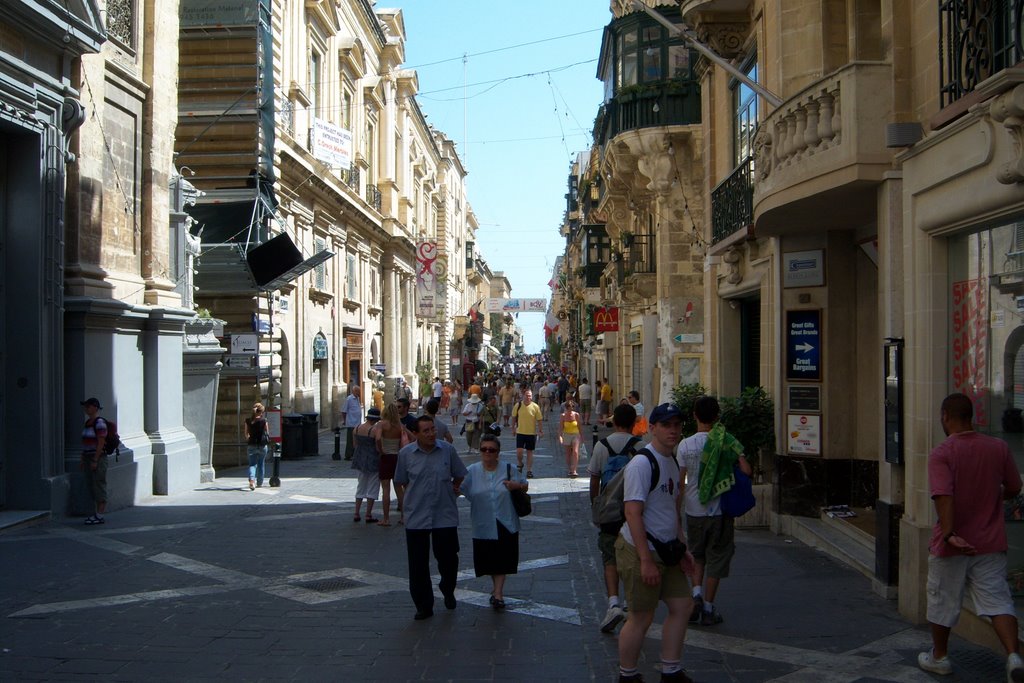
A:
(803, 268)
(244, 343)
(803, 434)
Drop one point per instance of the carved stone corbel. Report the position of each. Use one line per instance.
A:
(725, 38)
(1008, 109)
(653, 159)
(732, 259)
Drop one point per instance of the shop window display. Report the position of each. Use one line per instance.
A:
(986, 350)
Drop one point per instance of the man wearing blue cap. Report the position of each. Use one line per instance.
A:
(651, 554)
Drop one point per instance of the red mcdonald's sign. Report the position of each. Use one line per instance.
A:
(606, 319)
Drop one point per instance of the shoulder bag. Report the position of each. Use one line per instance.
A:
(520, 499)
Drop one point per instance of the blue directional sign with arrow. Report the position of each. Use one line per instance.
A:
(803, 345)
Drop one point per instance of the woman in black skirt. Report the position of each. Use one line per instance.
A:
(495, 522)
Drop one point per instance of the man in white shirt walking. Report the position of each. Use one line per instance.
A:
(651, 554)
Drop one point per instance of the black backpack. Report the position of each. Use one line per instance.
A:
(112, 442)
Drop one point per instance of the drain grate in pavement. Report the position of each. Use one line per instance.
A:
(330, 585)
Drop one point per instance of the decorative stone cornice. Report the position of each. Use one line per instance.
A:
(1008, 109)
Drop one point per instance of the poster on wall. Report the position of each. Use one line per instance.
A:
(426, 279)
(970, 343)
(803, 434)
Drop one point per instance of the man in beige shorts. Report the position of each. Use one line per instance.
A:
(652, 570)
(969, 474)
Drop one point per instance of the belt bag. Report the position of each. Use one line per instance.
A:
(671, 552)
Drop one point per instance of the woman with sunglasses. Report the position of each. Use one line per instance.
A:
(495, 522)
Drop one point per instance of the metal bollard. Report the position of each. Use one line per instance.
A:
(275, 476)
(337, 444)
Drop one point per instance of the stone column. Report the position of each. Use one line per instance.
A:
(175, 449)
(390, 324)
(201, 368)
(158, 126)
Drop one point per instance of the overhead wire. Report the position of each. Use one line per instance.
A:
(508, 47)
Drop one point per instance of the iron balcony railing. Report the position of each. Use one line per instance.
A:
(351, 178)
(667, 103)
(640, 255)
(977, 39)
(732, 202)
(373, 196)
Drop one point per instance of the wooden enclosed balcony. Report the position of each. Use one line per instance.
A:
(824, 148)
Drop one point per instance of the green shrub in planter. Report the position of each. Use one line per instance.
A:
(751, 419)
(683, 396)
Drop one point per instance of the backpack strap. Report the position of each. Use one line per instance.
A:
(655, 469)
(607, 446)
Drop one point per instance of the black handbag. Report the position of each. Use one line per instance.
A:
(520, 499)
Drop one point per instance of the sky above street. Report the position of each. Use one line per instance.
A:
(520, 113)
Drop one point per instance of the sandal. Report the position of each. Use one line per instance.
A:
(372, 520)
(357, 518)
(529, 474)
(383, 523)
(95, 519)
(497, 603)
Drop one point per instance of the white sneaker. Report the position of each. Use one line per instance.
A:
(927, 661)
(612, 618)
(1014, 668)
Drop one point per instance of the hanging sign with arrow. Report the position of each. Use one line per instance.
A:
(803, 345)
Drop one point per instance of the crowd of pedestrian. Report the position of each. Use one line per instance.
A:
(669, 538)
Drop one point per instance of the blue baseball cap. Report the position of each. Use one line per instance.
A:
(665, 411)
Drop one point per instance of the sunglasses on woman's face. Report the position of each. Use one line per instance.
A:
(488, 450)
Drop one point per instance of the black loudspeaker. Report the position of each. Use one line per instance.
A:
(272, 259)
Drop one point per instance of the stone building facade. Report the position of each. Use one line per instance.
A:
(635, 202)
(323, 143)
(89, 102)
(861, 246)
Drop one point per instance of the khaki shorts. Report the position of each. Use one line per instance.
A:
(982, 577)
(639, 596)
(712, 541)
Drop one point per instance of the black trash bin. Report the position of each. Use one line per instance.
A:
(310, 434)
(291, 436)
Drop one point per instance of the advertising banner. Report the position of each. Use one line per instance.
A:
(517, 305)
(331, 144)
(606, 319)
(426, 279)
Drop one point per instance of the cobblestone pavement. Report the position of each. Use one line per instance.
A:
(279, 584)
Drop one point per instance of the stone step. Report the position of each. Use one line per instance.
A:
(15, 519)
(855, 534)
(836, 543)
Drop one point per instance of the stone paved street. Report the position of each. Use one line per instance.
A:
(280, 584)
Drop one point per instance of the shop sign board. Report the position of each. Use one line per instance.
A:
(803, 345)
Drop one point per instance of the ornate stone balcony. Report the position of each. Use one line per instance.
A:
(824, 148)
